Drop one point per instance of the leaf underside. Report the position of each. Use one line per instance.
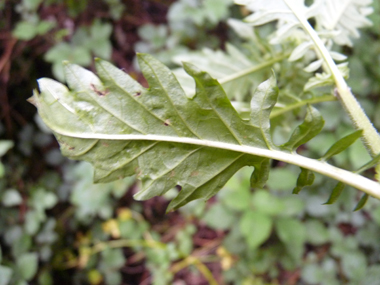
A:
(113, 103)
(87, 118)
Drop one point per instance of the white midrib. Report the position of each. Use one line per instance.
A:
(357, 181)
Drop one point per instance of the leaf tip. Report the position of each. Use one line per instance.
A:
(141, 55)
(363, 200)
(296, 190)
(189, 67)
(33, 100)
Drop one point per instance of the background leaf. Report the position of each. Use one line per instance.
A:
(310, 127)
(335, 193)
(342, 144)
(6, 274)
(363, 200)
(255, 227)
(305, 178)
(27, 265)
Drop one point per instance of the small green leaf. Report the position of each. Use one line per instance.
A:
(5, 275)
(31, 5)
(219, 217)
(300, 50)
(369, 164)
(44, 26)
(45, 278)
(262, 103)
(358, 154)
(256, 227)
(5, 145)
(113, 278)
(11, 197)
(312, 274)
(260, 174)
(316, 232)
(354, 265)
(236, 194)
(27, 265)
(281, 179)
(293, 234)
(290, 231)
(305, 178)
(362, 202)
(372, 275)
(266, 203)
(342, 144)
(292, 206)
(335, 193)
(310, 127)
(25, 31)
(113, 258)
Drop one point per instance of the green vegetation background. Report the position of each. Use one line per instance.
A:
(57, 227)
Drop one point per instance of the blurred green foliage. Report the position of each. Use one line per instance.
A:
(60, 227)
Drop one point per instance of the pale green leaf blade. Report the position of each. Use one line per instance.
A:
(305, 178)
(260, 174)
(363, 200)
(342, 144)
(11, 197)
(220, 65)
(370, 164)
(310, 127)
(314, 66)
(113, 103)
(262, 103)
(27, 265)
(6, 275)
(5, 145)
(256, 227)
(300, 51)
(335, 194)
(293, 234)
(164, 137)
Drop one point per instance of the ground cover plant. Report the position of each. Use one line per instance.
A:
(261, 97)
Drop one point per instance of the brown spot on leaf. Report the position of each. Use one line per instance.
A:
(194, 173)
(167, 123)
(138, 93)
(99, 92)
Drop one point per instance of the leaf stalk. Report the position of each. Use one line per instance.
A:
(315, 100)
(357, 181)
(252, 69)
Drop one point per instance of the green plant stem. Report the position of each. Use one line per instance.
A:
(370, 138)
(287, 108)
(127, 243)
(192, 260)
(252, 69)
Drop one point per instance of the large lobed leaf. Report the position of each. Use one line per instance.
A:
(115, 104)
(167, 139)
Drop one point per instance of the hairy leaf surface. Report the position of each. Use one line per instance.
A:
(114, 103)
(167, 139)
